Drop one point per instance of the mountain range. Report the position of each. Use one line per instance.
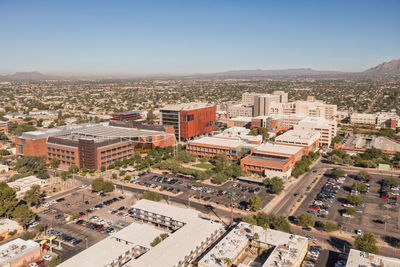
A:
(391, 67)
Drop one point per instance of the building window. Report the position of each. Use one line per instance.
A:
(188, 118)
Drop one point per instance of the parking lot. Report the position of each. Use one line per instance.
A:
(186, 187)
(93, 208)
(327, 201)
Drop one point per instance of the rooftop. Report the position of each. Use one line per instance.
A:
(115, 132)
(7, 225)
(16, 248)
(287, 248)
(215, 141)
(276, 148)
(129, 112)
(242, 119)
(298, 137)
(363, 259)
(187, 106)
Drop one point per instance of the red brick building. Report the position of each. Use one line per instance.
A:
(189, 120)
(93, 145)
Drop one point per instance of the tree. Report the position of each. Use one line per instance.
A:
(366, 243)
(108, 187)
(330, 226)
(8, 200)
(22, 214)
(150, 116)
(54, 163)
(228, 262)
(306, 219)
(35, 165)
(150, 195)
(351, 211)
(256, 236)
(254, 203)
(363, 174)
(73, 168)
(359, 186)
(338, 172)
(354, 199)
(99, 184)
(54, 261)
(34, 196)
(391, 181)
(337, 140)
(275, 184)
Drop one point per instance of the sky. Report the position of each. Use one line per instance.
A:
(82, 37)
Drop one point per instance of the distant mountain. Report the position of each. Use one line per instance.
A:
(283, 72)
(28, 76)
(391, 67)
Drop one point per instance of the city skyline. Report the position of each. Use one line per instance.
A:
(136, 38)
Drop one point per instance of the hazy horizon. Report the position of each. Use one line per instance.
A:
(135, 38)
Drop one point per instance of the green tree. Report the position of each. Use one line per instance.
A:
(228, 262)
(330, 226)
(391, 181)
(8, 200)
(366, 243)
(254, 203)
(34, 196)
(150, 195)
(97, 184)
(108, 187)
(337, 140)
(54, 261)
(363, 174)
(359, 186)
(338, 172)
(275, 184)
(306, 219)
(23, 214)
(354, 199)
(351, 211)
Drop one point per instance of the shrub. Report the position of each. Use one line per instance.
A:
(150, 195)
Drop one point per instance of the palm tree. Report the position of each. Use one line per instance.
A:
(228, 262)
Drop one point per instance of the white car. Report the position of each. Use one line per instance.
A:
(344, 214)
(358, 232)
(83, 186)
(33, 264)
(47, 257)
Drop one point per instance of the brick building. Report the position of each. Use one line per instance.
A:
(128, 115)
(272, 160)
(305, 139)
(93, 145)
(189, 120)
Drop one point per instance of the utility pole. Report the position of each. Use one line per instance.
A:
(232, 197)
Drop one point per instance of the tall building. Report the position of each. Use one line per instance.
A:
(326, 128)
(189, 120)
(93, 145)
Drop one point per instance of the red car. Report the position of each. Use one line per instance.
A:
(385, 196)
(314, 207)
(393, 198)
(40, 262)
(46, 247)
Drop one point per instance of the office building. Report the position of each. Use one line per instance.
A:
(128, 115)
(188, 237)
(189, 120)
(19, 252)
(313, 108)
(326, 128)
(270, 248)
(305, 139)
(239, 110)
(94, 145)
(240, 122)
(272, 160)
(380, 119)
(358, 258)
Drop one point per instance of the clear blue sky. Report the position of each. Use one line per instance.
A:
(144, 37)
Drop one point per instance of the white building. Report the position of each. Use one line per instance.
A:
(326, 128)
(19, 252)
(24, 184)
(190, 236)
(364, 259)
(239, 110)
(309, 140)
(313, 108)
(287, 250)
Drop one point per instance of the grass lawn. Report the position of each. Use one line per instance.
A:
(206, 166)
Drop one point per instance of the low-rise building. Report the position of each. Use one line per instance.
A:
(188, 236)
(305, 139)
(358, 258)
(239, 110)
(7, 225)
(249, 245)
(24, 184)
(359, 143)
(18, 252)
(272, 160)
(240, 122)
(128, 115)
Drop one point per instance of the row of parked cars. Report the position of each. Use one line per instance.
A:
(323, 201)
(341, 260)
(64, 237)
(104, 203)
(53, 202)
(312, 256)
(99, 225)
(389, 191)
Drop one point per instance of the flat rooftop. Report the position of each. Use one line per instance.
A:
(242, 119)
(287, 248)
(129, 112)
(358, 258)
(216, 141)
(279, 149)
(187, 106)
(115, 132)
(16, 248)
(298, 137)
(359, 141)
(63, 130)
(267, 161)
